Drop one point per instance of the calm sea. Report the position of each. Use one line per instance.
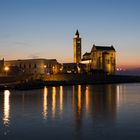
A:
(94, 112)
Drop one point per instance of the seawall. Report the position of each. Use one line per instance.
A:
(69, 79)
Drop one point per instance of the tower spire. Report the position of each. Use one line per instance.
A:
(77, 33)
(77, 47)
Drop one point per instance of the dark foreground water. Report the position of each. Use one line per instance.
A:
(71, 113)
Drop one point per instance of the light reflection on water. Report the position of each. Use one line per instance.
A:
(45, 103)
(6, 111)
(79, 99)
(61, 99)
(74, 112)
(87, 99)
(53, 101)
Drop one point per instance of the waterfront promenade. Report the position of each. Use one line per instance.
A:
(64, 79)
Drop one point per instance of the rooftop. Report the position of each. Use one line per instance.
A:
(106, 48)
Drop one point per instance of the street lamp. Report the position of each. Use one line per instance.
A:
(6, 69)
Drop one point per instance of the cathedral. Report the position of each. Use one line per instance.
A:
(100, 58)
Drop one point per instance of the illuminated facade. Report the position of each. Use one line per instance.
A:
(73, 68)
(35, 66)
(101, 58)
(77, 48)
(86, 60)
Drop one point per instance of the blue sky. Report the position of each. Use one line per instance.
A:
(45, 28)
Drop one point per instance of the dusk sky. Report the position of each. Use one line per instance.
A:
(45, 28)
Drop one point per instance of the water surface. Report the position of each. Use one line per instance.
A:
(72, 113)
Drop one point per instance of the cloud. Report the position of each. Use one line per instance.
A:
(20, 43)
(34, 56)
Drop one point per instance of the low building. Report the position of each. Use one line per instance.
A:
(35, 66)
(73, 68)
(1, 66)
(86, 60)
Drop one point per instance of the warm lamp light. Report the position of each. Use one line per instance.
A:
(6, 68)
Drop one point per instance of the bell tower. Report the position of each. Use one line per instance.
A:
(77, 48)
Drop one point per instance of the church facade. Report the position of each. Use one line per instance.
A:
(100, 58)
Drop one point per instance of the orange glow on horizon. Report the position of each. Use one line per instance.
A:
(128, 66)
(128, 62)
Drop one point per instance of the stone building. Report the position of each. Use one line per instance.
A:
(73, 68)
(35, 66)
(76, 66)
(77, 48)
(102, 58)
(1, 66)
(86, 60)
